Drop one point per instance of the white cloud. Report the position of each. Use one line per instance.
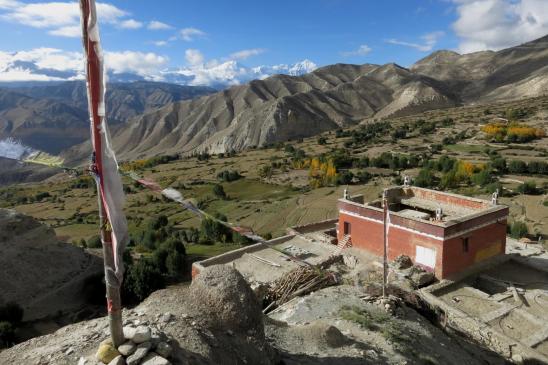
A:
(194, 57)
(71, 31)
(246, 53)
(47, 58)
(61, 18)
(130, 24)
(143, 64)
(46, 64)
(188, 34)
(56, 14)
(8, 4)
(156, 25)
(362, 50)
(160, 43)
(429, 41)
(51, 64)
(497, 24)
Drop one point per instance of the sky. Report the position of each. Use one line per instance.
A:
(205, 39)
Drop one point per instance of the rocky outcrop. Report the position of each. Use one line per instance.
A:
(178, 317)
(37, 271)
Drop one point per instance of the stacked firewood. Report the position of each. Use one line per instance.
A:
(300, 281)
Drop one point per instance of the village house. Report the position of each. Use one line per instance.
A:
(442, 232)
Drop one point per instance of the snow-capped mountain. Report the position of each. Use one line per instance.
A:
(47, 64)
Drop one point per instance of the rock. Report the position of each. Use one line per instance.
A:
(154, 359)
(129, 332)
(142, 334)
(106, 352)
(140, 352)
(127, 348)
(229, 300)
(166, 317)
(402, 262)
(422, 278)
(164, 349)
(350, 260)
(518, 359)
(118, 360)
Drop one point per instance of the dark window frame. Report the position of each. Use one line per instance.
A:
(466, 244)
(347, 228)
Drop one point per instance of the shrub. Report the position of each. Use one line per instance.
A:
(518, 230)
(157, 222)
(345, 178)
(228, 176)
(363, 176)
(322, 141)
(141, 279)
(425, 178)
(39, 196)
(528, 187)
(517, 167)
(219, 191)
(212, 231)
(94, 242)
(481, 178)
(265, 171)
(174, 264)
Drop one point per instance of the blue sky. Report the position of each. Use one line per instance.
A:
(254, 33)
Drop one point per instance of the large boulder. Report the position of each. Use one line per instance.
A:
(223, 293)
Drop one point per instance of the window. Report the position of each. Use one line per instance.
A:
(465, 245)
(346, 229)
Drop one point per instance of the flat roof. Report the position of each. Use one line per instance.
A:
(403, 199)
(266, 262)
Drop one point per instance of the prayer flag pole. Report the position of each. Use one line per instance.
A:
(104, 169)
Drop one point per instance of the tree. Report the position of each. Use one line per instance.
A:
(158, 222)
(345, 178)
(499, 163)
(212, 231)
(141, 279)
(322, 141)
(481, 178)
(229, 176)
(517, 167)
(363, 176)
(174, 263)
(425, 178)
(528, 188)
(219, 191)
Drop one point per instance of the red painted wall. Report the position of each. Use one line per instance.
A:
(368, 235)
(481, 245)
(450, 258)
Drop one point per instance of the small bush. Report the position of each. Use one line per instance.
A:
(518, 230)
(528, 187)
(94, 242)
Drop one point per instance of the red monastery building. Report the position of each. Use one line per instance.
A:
(444, 233)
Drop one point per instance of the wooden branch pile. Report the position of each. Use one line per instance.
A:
(300, 281)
